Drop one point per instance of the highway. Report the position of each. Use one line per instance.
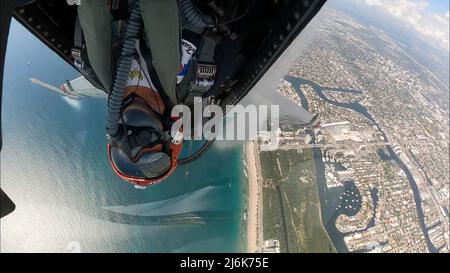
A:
(354, 144)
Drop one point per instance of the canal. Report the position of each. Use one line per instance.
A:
(327, 196)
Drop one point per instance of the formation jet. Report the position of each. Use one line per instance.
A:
(74, 89)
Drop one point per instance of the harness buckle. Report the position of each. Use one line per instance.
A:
(177, 138)
(78, 60)
(206, 71)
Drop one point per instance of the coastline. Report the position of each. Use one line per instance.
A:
(254, 219)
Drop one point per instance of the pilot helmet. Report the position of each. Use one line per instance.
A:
(143, 152)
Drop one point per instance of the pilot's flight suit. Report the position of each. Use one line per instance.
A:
(162, 28)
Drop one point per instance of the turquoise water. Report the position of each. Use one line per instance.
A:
(54, 166)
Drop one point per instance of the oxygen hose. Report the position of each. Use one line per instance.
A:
(193, 16)
(128, 48)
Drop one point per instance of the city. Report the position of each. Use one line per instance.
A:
(383, 143)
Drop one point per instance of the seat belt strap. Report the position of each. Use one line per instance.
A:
(95, 20)
(163, 35)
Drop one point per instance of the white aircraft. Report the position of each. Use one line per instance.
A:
(76, 88)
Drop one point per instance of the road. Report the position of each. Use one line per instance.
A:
(353, 144)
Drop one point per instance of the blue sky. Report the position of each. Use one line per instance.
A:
(427, 19)
(439, 6)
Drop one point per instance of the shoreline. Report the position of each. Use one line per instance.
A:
(316, 178)
(254, 228)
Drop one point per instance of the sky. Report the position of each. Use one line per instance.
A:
(439, 5)
(429, 19)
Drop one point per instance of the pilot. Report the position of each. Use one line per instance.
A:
(141, 149)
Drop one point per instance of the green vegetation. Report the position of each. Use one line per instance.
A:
(291, 207)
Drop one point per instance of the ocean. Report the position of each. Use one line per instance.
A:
(54, 167)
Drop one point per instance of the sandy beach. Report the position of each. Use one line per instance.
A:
(254, 221)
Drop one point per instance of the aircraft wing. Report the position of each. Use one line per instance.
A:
(83, 88)
(6, 204)
(290, 112)
(76, 88)
(53, 88)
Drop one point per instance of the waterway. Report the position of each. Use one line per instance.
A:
(327, 196)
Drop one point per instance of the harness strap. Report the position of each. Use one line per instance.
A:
(147, 56)
(78, 40)
(95, 20)
(162, 25)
